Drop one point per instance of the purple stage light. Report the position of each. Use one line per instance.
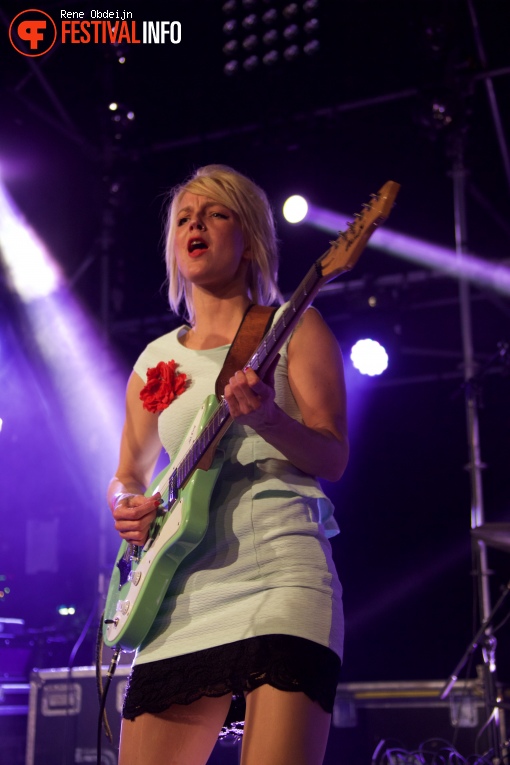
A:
(75, 390)
(68, 340)
(485, 273)
(30, 269)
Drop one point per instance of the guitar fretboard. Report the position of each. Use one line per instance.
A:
(342, 256)
(261, 358)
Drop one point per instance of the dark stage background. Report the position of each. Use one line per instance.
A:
(334, 127)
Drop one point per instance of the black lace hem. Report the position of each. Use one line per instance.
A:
(285, 662)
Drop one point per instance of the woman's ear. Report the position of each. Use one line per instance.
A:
(247, 254)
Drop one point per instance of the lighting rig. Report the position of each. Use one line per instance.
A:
(262, 33)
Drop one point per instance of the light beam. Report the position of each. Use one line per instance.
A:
(484, 273)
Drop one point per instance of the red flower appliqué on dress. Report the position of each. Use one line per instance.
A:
(163, 385)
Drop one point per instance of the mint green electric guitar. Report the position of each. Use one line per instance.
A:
(142, 575)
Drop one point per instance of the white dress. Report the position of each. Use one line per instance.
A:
(265, 564)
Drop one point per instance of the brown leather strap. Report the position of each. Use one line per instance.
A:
(256, 322)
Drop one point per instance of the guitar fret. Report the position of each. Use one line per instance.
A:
(199, 447)
(261, 354)
(173, 484)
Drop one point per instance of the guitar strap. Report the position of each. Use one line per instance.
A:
(256, 322)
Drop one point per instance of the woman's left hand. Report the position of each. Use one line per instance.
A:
(250, 400)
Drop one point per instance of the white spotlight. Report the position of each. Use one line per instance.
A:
(295, 209)
(30, 268)
(369, 357)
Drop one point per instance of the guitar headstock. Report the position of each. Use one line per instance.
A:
(346, 250)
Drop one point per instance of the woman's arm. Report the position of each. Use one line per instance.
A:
(139, 450)
(319, 446)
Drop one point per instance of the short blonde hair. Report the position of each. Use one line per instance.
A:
(237, 192)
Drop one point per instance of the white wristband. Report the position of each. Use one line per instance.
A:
(119, 497)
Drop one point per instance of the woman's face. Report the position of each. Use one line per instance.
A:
(209, 244)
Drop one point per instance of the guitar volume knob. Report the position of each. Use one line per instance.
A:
(134, 577)
(123, 606)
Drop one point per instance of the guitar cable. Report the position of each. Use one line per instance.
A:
(69, 684)
(103, 691)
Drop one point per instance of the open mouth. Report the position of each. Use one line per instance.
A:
(196, 244)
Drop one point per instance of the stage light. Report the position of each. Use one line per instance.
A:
(290, 10)
(490, 274)
(291, 32)
(230, 47)
(30, 270)
(81, 383)
(295, 209)
(1, 424)
(251, 63)
(311, 26)
(66, 610)
(282, 22)
(230, 27)
(291, 53)
(250, 42)
(270, 58)
(270, 38)
(312, 48)
(270, 17)
(231, 67)
(250, 21)
(369, 357)
(113, 106)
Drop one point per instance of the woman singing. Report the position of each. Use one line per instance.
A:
(255, 610)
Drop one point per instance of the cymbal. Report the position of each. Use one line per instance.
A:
(494, 535)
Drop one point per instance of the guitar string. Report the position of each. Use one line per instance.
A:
(299, 300)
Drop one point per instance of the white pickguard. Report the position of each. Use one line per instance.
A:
(125, 607)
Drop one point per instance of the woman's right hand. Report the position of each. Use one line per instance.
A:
(133, 515)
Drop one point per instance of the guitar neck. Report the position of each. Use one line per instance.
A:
(286, 323)
(259, 362)
(339, 258)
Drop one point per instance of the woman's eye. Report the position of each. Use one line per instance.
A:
(181, 221)
(218, 215)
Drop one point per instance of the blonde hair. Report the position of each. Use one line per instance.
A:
(237, 192)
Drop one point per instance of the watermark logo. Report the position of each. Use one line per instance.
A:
(32, 32)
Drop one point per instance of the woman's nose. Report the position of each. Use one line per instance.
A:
(194, 223)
